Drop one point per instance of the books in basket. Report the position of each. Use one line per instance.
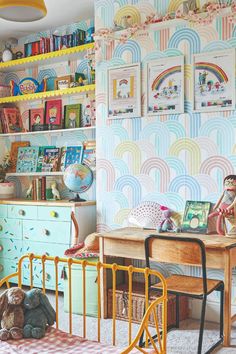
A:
(195, 217)
(73, 155)
(50, 162)
(27, 159)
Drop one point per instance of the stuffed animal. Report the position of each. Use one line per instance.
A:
(167, 224)
(38, 314)
(12, 314)
(55, 192)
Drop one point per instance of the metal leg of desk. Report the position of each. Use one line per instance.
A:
(227, 299)
(103, 280)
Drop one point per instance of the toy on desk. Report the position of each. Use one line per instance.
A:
(12, 314)
(55, 192)
(167, 224)
(27, 86)
(38, 314)
(226, 204)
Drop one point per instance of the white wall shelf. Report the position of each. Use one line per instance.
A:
(49, 132)
(29, 174)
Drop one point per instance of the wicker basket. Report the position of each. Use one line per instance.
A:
(138, 304)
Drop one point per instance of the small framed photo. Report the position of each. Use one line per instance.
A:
(214, 81)
(36, 119)
(72, 115)
(53, 114)
(124, 97)
(63, 82)
(165, 86)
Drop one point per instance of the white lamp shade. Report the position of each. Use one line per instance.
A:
(22, 10)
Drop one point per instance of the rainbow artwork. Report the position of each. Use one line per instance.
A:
(164, 75)
(216, 70)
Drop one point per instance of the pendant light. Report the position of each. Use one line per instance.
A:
(22, 10)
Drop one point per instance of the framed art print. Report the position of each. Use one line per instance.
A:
(165, 86)
(124, 92)
(214, 81)
(53, 110)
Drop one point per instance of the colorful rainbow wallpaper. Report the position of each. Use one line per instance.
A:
(164, 75)
(218, 72)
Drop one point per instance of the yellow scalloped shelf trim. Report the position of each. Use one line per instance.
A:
(47, 94)
(46, 56)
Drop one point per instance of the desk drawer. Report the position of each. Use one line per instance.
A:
(3, 211)
(47, 231)
(39, 248)
(54, 213)
(11, 229)
(22, 212)
(10, 248)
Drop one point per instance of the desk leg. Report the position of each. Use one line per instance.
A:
(227, 299)
(102, 259)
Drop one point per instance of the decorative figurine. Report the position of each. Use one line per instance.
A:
(167, 224)
(29, 192)
(224, 207)
(55, 192)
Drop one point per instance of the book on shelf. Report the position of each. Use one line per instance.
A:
(73, 155)
(41, 156)
(195, 217)
(63, 158)
(89, 154)
(14, 153)
(72, 115)
(48, 187)
(50, 162)
(36, 120)
(53, 114)
(11, 120)
(27, 159)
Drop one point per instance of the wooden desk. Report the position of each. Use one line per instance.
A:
(220, 252)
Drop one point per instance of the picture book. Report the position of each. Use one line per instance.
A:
(14, 153)
(41, 156)
(72, 115)
(73, 155)
(195, 217)
(48, 187)
(89, 154)
(53, 110)
(12, 119)
(63, 158)
(50, 162)
(36, 119)
(27, 159)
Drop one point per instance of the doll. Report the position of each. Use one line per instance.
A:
(167, 224)
(225, 205)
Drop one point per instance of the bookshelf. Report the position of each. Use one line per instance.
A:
(49, 132)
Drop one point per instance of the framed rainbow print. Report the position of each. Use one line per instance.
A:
(124, 91)
(214, 81)
(165, 86)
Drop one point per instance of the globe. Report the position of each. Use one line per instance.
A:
(78, 178)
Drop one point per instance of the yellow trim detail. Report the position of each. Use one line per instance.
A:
(47, 94)
(37, 4)
(46, 56)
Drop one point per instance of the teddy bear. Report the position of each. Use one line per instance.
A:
(12, 314)
(38, 314)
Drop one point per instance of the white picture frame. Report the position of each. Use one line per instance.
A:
(214, 81)
(124, 91)
(165, 86)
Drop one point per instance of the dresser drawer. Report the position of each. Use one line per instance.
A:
(50, 276)
(39, 248)
(47, 231)
(11, 229)
(8, 266)
(3, 211)
(54, 213)
(10, 248)
(22, 212)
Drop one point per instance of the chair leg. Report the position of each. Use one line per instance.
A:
(202, 325)
(222, 313)
(177, 311)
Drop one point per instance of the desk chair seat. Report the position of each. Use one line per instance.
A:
(186, 285)
(189, 251)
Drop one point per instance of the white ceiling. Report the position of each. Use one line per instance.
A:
(60, 12)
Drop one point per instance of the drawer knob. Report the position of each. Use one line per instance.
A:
(53, 214)
(1, 248)
(21, 212)
(1, 268)
(45, 232)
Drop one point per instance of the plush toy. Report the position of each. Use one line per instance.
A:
(167, 224)
(38, 314)
(225, 206)
(12, 314)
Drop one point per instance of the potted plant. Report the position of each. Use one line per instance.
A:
(7, 189)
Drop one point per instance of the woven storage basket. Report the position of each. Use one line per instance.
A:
(138, 304)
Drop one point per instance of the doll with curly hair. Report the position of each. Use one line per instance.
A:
(226, 204)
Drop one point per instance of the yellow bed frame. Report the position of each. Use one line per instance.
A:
(159, 345)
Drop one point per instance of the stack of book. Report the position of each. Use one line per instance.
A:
(42, 188)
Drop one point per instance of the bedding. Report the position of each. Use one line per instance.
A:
(58, 342)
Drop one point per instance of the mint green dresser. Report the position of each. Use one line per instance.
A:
(40, 228)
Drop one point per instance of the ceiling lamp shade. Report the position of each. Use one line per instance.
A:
(22, 10)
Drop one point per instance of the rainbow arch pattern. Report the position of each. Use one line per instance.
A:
(217, 71)
(164, 75)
